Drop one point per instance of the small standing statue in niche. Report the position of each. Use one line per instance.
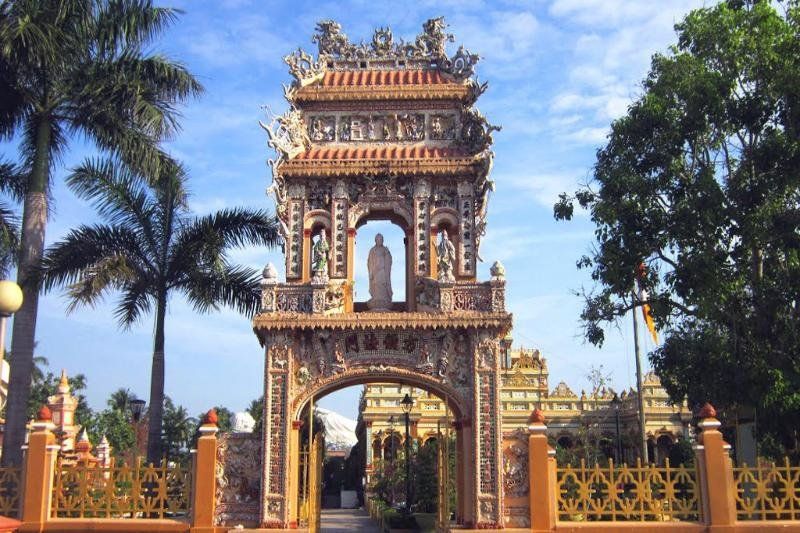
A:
(379, 265)
(319, 262)
(446, 254)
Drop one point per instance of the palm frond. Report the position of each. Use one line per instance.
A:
(67, 261)
(124, 23)
(231, 286)
(237, 227)
(134, 303)
(118, 195)
(110, 273)
(9, 239)
(13, 180)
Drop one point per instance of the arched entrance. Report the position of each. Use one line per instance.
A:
(398, 454)
(455, 358)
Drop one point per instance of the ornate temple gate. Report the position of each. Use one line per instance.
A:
(385, 131)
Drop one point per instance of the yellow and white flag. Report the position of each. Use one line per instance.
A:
(643, 297)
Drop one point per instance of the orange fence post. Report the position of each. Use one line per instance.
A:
(204, 493)
(541, 475)
(715, 469)
(39, 468)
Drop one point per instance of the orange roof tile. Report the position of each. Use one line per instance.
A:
(380, 152)
(364, 78)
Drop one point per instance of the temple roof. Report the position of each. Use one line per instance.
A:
(382, 152)
(456, 319)
(383, 77)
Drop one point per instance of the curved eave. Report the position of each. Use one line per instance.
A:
(449, 91)
(266, 322)
(401, 167)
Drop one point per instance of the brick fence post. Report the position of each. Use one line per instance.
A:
(204, 479)
(541, 475)
(715, 469)
(39, 469)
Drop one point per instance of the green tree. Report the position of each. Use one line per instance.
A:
(115, 425)
(178, 430)
(76, 67)
(150, 248)
(256, 410)
(699, 182)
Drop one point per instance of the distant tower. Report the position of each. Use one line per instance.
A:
(63, 405)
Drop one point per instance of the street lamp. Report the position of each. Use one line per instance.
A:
(391, 438)
(615, 403)
(10, 302)
(407, 404)
(137, 410)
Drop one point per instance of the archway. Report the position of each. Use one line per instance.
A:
(382, 432)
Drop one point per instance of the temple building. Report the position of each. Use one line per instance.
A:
(525, 387)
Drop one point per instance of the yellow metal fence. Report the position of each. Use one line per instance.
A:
(627, 493)
(10, 491)
(769, 492)
(141, 491)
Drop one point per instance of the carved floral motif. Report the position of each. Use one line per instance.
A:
(238, 479)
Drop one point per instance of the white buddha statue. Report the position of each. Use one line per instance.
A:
(379, 265)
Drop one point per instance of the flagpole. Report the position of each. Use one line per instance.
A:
(639, 388)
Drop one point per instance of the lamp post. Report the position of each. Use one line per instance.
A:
(392, 452)
(615, 403)
(137, 410)
(407, 404)
(10, 302)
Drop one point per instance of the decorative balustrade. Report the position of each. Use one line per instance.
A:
(142, 491)
(306, 298)
(627, 493)
(768, 492)
(10, 490)
(439, 296)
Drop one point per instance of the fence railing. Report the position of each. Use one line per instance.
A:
(768, 492)
(140, 491)
(626, 493)
(10, 491)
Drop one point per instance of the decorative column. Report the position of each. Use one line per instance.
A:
(339, 249)
(294, 249)
(466, 241)
(274, 509)
(294, 471)
(541, 475)
(717, 486)
(40, 459)
(487, 437)
(422, 221)
(204, 495)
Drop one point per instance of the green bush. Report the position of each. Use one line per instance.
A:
(394, 519)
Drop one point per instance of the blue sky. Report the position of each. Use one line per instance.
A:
(558, 73)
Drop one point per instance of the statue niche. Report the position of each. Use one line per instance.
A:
(379, 266)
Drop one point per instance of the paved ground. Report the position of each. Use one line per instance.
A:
(346, 520)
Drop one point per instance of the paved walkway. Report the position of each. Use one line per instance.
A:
(346, 520)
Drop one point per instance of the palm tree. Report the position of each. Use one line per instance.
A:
(72, 67)
(152, 247)
(120, 400)
(11, 184)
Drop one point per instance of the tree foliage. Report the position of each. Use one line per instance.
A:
(151, 247)
(699, 181)
(76, 67)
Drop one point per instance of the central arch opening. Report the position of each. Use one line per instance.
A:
(375, 433)
(394, 240)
